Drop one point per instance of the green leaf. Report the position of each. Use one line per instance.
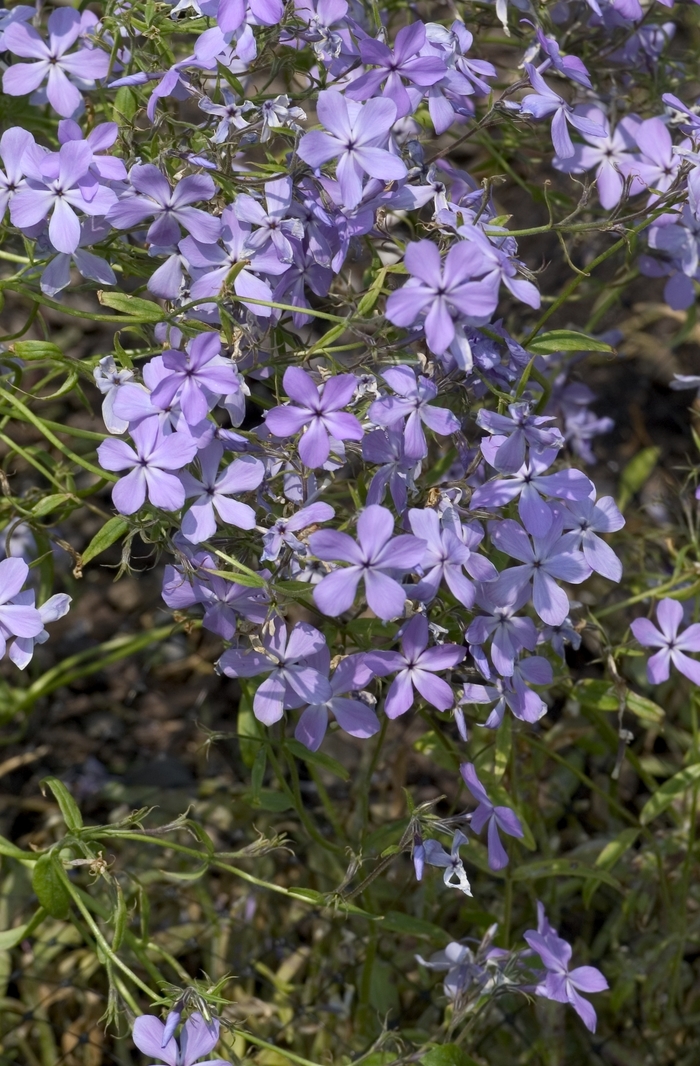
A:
(269, 800)
(257, 775)
(120, 917)
(250, 580)
(447, 1055)
(125, 104)
(10, 938)
(566, 340)
(666, 794)
(48, 885)
(609, 856)
(317, 758)
(36, 350)
(594, 693)
(112, 531)
(534, 871)
(69, 808)
(13, 852)
(636, 474)
(143, 310)
(504, 740)
(407, 925)
(248, 728)
(645, 709)
(51, 503)
(294, 590)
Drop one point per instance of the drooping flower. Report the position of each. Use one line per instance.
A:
(109, 378)
(560, 983)
(378, 558)
(455, 876)
(672, 644)
(486, 814)
(544, 101)
(414, 404)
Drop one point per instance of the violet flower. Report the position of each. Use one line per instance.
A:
(56, 274)
(589, 517)
(13, 144)
(87, 64)
(172, 207)
(152, 464)
(317, 411)
(214, 490)
(100, 138)
(198, 377)
(544, 101)
(445, 557)
(494, 817)
(413, 403)
(610, 154)
(379, 559)
(672, 644)
(416, 666)
(352, 715)
(513, 692)
(109, 378)
(197, 1038)
(230, 113)
(560, 983)
(545, 560)
(403, 63)
(356, 138)
(447, 290)
(386, 446)
(58, 182)
(455, 876)
(223, 601)
(510, 633)
(213, 264)
(527, 485)
(22, 647)
(273, 224)
(282, 532)
(292, 682)
(21, 620)
(521, 429)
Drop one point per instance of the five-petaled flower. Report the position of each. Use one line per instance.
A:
(672, 644)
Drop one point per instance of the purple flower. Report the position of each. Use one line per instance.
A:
(100, 138)
(213, 492)
(22, 648)
(531, 480)
(455, 876)
(498, 264)
(317, 411)
(513, 692)
(196, 1039)
(494, 817)
(658, 164)
(447, 290)
(292, 682)
(21, 620)
(562, 984)
(509, 633)
(445, 556)
(521, 429)
(198, 377)
(415, 666)
(353, 716)
(230, 113)
(379, 558)
(403, 63)
(282, 532)
(273, 225)
(544, 101)
(545, 560)
(570, 66)
(589, 517)
(13, 144)
(610, 155)
(386, 446)
(64, 26)
(109, 378)
(58, 182)
(358, 133)
(673, 644)
(213, 264)
(413, 403)
(151, 464)
(222, 600)
(172, 207)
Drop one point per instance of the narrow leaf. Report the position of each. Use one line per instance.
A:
(666, 794)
